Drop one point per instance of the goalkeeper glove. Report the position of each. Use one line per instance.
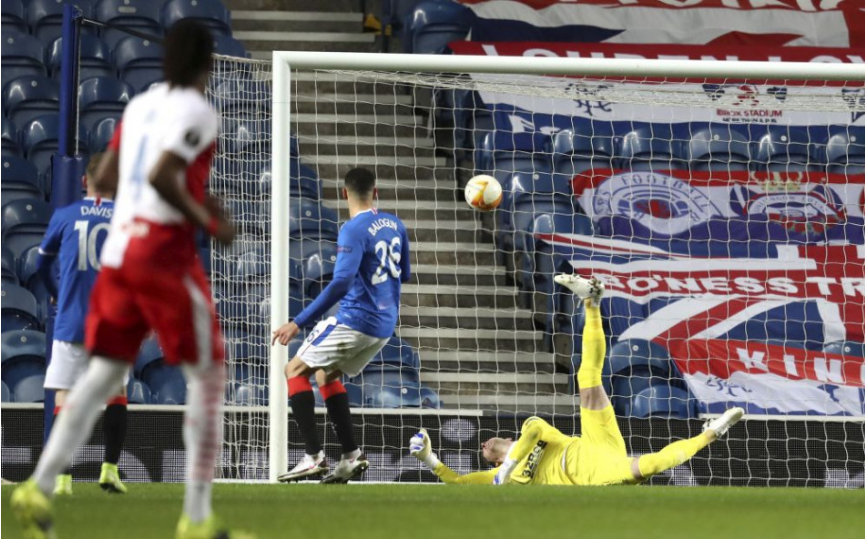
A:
(420, 447)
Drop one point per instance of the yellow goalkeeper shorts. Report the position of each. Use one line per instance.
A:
(601, 458)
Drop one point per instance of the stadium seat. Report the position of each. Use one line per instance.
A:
(577, 151)
(137, 392)
(718, 147)
(432, 24)
(254, 265)
(29, 97)
(210, 13)
(307, 184)
(397, 353)
(102, 133)
(23, 354)
(228, 46)
(100, 98)
(94, 54)
(845, 152)
(545, 266)
(27, 266)
(140, 15)
(6, 394)
(846, 348)
(311, 221)
(45, 18)
(30, 389)
(166, 384)
(663, 401)
(636, 365)
(139, 62)
(19, 310)
(20, 180)
(244, 395)
(40, 139)
(389, 388)
(13, 17)
(22, 55)
(10, 266)
(149, 354)
(24, 224)
(650, 147)
(244, 96)
(10, 138)
(318, 269)
(786, 149)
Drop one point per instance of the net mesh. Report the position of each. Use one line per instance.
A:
(724, 217)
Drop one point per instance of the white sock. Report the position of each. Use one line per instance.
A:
(202, 436)
(75, 423)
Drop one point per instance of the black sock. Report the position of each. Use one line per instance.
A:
(67, 471)
(114, 430)
(303, 410)
(340, 415)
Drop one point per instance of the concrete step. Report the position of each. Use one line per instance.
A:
(424, 210)
(473, 339)
(438, 295)
(403, 150)
(473, 276)
(465, 318)
(402, 126)
(296, 21)
(263, 50)
(278, 39)
(347, 85)
(320, 160)
(351, 103)
(443, 234)
(506, 403)
(504, 378)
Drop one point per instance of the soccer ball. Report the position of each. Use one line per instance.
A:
(483, 193)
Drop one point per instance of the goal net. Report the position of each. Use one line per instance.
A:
(723, 210)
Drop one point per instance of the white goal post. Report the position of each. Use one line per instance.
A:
(286, 63)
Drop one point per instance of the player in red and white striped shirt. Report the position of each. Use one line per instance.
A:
(152, 280)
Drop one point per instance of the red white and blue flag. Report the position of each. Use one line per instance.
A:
(804, 23)
(746, 312)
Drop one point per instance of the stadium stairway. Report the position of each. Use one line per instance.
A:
(478, 348)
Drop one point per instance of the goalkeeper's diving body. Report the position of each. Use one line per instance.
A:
(545, 456)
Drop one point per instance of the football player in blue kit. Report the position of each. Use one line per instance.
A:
(74, 240)
(371, 265)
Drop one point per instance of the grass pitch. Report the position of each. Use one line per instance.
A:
(426, 512)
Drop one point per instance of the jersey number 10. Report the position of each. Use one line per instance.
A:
(87, 244)
(389, 255)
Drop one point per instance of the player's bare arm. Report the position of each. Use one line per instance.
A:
(164, 179)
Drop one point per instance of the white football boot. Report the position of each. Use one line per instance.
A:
(591, 289)
(720, 425)
(347, 469)
(309, 465)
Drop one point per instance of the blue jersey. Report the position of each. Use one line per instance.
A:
(372, 262)
(75, 236)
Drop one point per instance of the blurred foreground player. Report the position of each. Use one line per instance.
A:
(545, 456)
(151, 279)
(372, 262)
(74, 239)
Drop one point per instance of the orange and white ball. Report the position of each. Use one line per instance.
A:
(483, 193)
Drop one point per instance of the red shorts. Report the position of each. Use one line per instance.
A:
(127, 303)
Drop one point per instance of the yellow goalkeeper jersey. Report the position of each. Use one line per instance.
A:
(552, 458)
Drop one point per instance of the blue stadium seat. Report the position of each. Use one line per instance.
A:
(22, 55)
(139, 62)
(20, 310)
(102, 97)
(544, 264)
(40, 140)
(23, 354)
(650, 147)
(663, 401)
(29, 97)
(20, 180)
(389, 388)
(311, 221)
(786, 149)
(210, 13)
(254, 265)
(149, 354)
(140, 15)
(10, 265)
(33, 281)
(13, 17)
(846, 348)
(318, 269)
(10, 138)
(102, 133)
(244, 95)
(228, 46)
(636, 365)
(6, 394)
(45, 18)
(432, 24)
(397, 353)
(577, 151)
(24, 224)
(137, 392)
(30, 389)
(307, 184)
(94, 54)
(245, 395)
(718, 147)
(167, 385)
(845, 151)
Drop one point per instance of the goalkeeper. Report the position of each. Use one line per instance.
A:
(545, 456)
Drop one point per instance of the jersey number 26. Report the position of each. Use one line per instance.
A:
(389, 256)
